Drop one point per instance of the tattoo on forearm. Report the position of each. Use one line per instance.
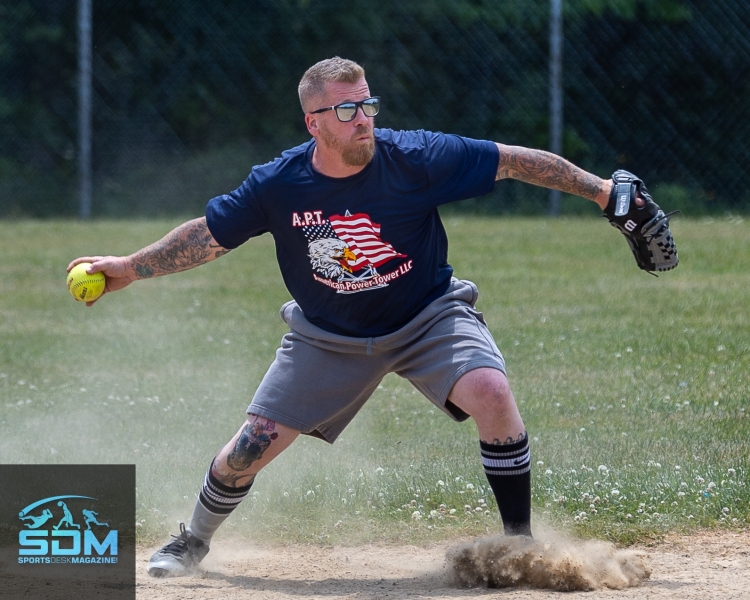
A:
(188, 246)
(547, 170)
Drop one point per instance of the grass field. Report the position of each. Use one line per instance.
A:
(633, 388)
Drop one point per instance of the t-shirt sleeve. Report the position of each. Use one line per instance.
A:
(234, 218)
(459, 168)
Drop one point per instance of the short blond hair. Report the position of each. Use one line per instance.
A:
(313, 82)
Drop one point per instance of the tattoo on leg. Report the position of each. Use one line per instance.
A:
(508, 440)
(251, 444)
(233, 480)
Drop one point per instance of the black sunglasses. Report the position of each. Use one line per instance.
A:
(346, 111)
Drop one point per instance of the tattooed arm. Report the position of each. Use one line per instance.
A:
(551, 171)
(187, 246)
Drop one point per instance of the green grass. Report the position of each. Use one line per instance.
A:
(633, 388)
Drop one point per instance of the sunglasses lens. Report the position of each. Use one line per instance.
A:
(346, 112)
(371, 106)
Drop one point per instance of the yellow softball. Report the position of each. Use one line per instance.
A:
(85, 287)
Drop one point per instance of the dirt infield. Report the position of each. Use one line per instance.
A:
(708, 565)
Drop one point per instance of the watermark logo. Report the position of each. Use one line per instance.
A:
(55, 534)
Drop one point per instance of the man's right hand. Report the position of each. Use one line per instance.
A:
(116, 269)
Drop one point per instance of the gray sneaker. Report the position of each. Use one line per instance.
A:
(178, 557)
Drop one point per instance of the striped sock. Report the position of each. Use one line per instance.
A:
(508, 469)
(215, 503)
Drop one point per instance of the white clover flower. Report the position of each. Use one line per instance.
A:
(548, 472)
(540, 463)
(603, 469)
(677, 467)
(731, 471)
(615, 492)
(441, 483)
(379, 470)
(434, 514)
(711, 486)
(452, 511)
(469, 486)
(416, 515)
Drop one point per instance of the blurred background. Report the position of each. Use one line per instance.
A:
(151, 107)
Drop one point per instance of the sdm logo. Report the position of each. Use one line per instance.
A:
(63, 540)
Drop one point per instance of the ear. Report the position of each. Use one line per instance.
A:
(312, 124)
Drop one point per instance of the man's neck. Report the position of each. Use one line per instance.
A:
(332, 165)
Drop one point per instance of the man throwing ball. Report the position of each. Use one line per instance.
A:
(364, 257)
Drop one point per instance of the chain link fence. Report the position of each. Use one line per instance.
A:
(187, 95)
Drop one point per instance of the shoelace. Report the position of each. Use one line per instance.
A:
(178, 545)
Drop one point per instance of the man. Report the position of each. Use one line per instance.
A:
(363, 253)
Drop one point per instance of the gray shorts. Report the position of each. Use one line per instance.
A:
(320, 380)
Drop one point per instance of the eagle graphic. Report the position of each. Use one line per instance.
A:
(331, 257)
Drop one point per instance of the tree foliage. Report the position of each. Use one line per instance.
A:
(651, 85)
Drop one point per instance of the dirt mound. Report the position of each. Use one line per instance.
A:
(555, 563)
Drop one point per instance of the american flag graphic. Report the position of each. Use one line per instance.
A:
(317, 232)
(362, 236)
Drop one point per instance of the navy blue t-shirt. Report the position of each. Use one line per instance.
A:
(361, 255)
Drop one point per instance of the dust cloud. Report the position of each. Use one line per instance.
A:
(549, 562)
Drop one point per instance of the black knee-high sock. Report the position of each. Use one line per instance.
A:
(215, 503)
(508, 469)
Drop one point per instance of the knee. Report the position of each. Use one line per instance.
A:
(494, 398)
(484, 393)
